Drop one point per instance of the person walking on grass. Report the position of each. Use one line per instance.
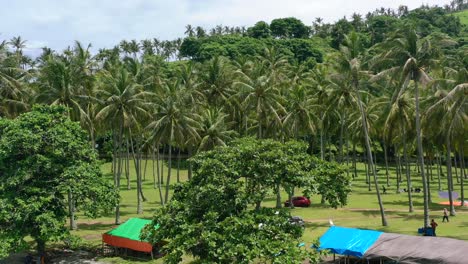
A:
(433, 225)
(445, 215)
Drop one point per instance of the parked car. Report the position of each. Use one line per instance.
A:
(299, 201)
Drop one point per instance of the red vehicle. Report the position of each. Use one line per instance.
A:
(299, 201)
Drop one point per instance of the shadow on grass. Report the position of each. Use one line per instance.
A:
(403, 203)
(95, 226)
(317, 224)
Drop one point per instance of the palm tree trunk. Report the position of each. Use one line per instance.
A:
(140, 158)
(127, 171)
(429, 178)
(153, 159)
(161, 198)
(178, 166)
(449, 172)
(189, 173)
(455, 166)
(136, 160)
(369, 155)
(462, 175)
(162, 165)
(386, 164)
(114, 157)
(421, 155)
(354, 160)
(91, 137)
(146, 166)
(322, 151)
(168, 181)
(439, 169)
(340, 158)
(119, 169)
(347, 154)
(408, 173)
(398, 170)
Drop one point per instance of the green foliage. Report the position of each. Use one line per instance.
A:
(289, 28)
(338, 32)
(261, 29)
(428, 20)
(43, 157)
(237, 46)
(209, 218)
(379, 27)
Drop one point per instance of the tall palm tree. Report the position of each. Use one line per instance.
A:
(300, 115)
(398, 122)
(172, 123)
(15, 95)
(408, 58)
(214, 130)
(122, 106)
(342, 97)
(348, 63)
(451, 110)
(260, 93)
(189, 31)
(216, 81)
(320, 84)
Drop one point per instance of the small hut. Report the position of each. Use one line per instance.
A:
(127, 236)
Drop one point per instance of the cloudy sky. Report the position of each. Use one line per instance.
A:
(57, 23)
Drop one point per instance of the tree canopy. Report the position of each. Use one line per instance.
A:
(43, 157)
(209, 216)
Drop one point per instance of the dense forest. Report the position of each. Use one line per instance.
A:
(388, 87)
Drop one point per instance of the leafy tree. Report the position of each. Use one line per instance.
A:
(45, 156)
(338, 32)
(261, 29)
(208, 217)
(289, 28)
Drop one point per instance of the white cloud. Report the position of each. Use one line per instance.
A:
(104, 23)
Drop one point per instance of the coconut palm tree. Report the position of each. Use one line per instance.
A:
(348, 63)
(408, 58)
(189, 31)
(173, 122)
(451, 110)
(398, 122)
(216, 81)
(123, 105)
(214, 130)
(14, 92)
(319, 84)
(300, 115)
(261, 94)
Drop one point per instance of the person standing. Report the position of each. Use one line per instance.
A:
(445, 215)
(433, 225)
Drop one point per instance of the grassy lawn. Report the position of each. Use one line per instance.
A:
(361, 211)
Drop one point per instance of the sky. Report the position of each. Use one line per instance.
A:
(104, 23)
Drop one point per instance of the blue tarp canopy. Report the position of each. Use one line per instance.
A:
(348, 241)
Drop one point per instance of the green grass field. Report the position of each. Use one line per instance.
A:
(361, 211)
